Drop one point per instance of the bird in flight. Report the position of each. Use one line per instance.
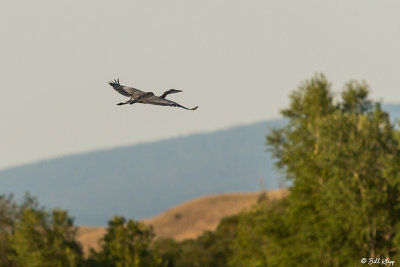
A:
(138, 96)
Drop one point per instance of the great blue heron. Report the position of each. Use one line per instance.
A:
(138, 96)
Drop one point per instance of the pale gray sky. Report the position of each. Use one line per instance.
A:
(237, 60)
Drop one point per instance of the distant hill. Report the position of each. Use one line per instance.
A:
(141, 181)
(189, 219)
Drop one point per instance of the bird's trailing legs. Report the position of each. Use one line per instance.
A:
(177, 105)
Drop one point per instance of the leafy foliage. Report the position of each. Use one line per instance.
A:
(343, 159)
(126, 243)
(211, 249)
(31, 236)
(8, 215)
(248, 247)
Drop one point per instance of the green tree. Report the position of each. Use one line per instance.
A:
(126, 243)
(211, 249)
(8, 215)
(343, 161)
(250, 243)
(43, 239)
(219, 243)
(168, 250)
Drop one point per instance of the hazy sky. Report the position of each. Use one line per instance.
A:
(237, 60)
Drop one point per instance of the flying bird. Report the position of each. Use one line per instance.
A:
(138, 96)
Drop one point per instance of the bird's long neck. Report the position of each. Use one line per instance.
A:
(170, 91)
(164, 94)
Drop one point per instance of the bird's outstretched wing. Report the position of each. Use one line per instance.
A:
(125, 90)
(155, 100)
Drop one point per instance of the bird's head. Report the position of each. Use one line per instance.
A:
(171, 91)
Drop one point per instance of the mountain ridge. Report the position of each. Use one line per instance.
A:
(140, 181)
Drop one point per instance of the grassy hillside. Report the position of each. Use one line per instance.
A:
(189, 219)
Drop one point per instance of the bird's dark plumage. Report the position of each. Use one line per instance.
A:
(138, 96)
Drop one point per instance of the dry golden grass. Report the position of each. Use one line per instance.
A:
(89, 237)
(187, 220)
